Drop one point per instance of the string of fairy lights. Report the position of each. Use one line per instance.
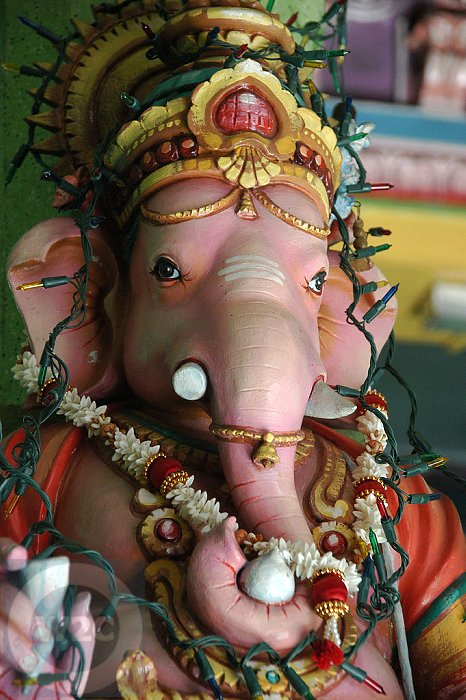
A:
(378, 593)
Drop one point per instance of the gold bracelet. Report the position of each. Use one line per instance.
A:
(233, 433)
(265, 455)
(289, 218)
(157, 218)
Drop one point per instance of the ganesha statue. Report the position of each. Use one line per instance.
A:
(206, 333)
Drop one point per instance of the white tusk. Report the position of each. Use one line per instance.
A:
(190, 381)
(268, 579)
(326, 403)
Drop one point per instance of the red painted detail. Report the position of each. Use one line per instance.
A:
(329, 587)
(243, 110)
(318, 165)
(303, 154)
(149, 162)
(167, 152)
(315, 162)
(30, 507)
(376, 401)
(328, 184)
(168, 530)
(369, 484)
(160, 468)
(334, 542)
(345, 443)
(188, 147)
(135, 175)
(326, 653)
(51, 485)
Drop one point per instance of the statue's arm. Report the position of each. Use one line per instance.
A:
(433, 593)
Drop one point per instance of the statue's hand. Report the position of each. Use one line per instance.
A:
(24, 635)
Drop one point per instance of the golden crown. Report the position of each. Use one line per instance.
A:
(241, 126)
(203, 108)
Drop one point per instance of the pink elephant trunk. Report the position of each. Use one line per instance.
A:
(261, 378)
(265, 499)
(268, 371)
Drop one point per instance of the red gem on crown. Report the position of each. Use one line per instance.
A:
(244, 110)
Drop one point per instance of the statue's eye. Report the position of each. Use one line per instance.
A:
(316, 284)
(165, 269)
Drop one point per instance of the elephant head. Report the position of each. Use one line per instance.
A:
(231, 311)
(256, 305)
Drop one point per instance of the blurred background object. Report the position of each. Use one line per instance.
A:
(406, 51)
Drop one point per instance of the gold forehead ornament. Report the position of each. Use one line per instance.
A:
(241, 127)
(245, 210)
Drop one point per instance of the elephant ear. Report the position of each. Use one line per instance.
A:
(53, 248)
(344, 350)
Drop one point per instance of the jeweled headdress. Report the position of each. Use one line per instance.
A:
(206, 90)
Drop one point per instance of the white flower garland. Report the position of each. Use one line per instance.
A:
(194, 506)
(305, 560)
(131, 452)
(26, 372)
(366, 513)
(83, 412)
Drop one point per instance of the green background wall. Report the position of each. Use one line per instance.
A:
(26, 201)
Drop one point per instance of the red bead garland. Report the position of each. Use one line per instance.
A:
(160, 468)
(376, 400)
(372, 485)
(327, 587)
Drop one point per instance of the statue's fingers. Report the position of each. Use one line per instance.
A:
(20, 629)
(82, 627)
(13, 557)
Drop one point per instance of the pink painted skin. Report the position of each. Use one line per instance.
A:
(264, 339)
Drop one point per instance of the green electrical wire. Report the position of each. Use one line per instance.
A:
(384, 595)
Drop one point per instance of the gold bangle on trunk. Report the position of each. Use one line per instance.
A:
(265, 455)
